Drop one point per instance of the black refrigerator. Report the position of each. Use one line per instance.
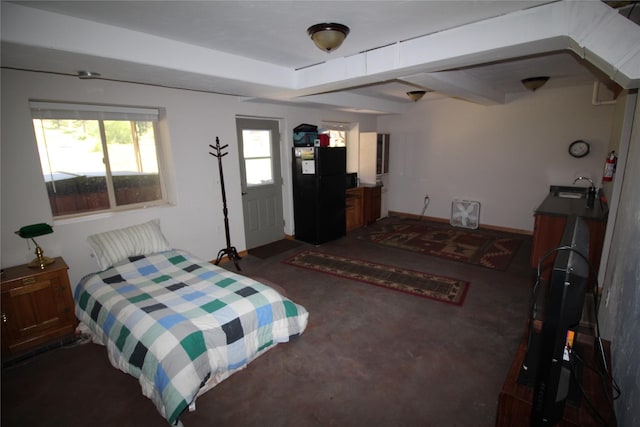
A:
(319, 185)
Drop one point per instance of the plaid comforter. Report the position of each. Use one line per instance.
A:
(175, 322)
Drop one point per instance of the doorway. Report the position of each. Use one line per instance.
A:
(261, 180)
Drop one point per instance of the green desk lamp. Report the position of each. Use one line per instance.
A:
(32, 231)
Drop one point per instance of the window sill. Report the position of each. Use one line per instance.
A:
(73, 219)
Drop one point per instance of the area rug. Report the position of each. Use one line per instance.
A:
(439, 288)
(274, 248)
(478, 247)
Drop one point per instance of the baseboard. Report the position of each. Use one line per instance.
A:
(446, 221)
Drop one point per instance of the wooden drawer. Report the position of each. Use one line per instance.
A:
(37, 307)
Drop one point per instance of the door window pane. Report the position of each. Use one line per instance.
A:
(258, 171)
(257, 157)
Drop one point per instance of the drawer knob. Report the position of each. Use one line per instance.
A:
(28, 280)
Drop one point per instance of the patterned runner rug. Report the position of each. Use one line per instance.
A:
(413, 282)
(493, 250)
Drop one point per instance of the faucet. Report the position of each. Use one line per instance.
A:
(586, 178)
(591, 193)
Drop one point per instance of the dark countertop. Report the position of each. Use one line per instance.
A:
(553, 205)
(365, 185)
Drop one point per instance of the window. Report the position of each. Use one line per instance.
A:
(97, 158)
(337, 135)
(257, 157)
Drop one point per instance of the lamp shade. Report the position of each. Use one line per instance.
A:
(31, 232)
(328, 37)
(34, 230)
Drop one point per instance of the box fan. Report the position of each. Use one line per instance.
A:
(465, 213)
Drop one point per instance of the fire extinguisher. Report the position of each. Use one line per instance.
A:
(609, 167)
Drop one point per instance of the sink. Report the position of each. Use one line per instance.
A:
(568, 192)
(573, 200)
(568, 195)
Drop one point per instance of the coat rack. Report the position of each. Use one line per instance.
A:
(229, 251)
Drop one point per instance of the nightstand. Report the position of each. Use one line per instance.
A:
(37, 308)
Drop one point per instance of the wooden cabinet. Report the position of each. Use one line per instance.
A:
(363, 206)
(374, 156)
(547, 234)
(37, 307)
(353, 211)
(371, 209)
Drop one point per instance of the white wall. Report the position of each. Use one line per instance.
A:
(195, 222)
(504, 156)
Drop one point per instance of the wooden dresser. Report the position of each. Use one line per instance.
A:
(37, 307)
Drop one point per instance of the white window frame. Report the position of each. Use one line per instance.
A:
(48, 110)
(327, 127)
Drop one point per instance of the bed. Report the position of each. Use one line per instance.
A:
(176, 323)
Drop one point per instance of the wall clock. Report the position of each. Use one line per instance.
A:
(579, 148)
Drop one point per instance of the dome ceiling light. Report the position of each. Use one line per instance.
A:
(534, 83)
(328, 37)
(416, 95)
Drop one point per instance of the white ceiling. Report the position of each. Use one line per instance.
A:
(252, 40)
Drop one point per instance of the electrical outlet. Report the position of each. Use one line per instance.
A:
(425, 203)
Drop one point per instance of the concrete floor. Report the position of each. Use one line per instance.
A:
(370, 356)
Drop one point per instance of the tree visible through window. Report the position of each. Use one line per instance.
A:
(97, 158)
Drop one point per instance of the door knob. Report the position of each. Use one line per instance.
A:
(244, 193)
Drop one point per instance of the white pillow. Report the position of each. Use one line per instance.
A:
(113, 246)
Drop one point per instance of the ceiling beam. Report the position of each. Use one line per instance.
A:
(459, 84)
(593, 30)
(548, 28)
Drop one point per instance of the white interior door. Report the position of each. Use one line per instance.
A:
(259, 146)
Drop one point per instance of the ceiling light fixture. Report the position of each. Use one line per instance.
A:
(534, 83)
(87, 74)
(328, 37)
(416, 95)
